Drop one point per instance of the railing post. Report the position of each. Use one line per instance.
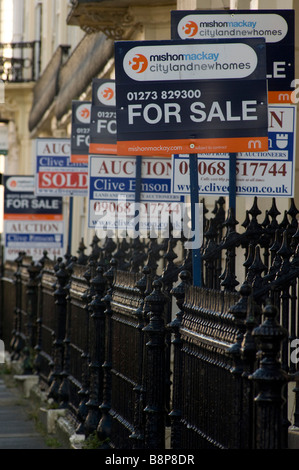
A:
(231, 241)
(138, 256)
(85, 381)
(211, 256)
(31, 310)
(60, 296)
(168, 278)
(82, 258)
(155, 389)
(39, 320)
(64, 389)
(97, 353)
(104, 427)
(175, 415)
(17, 342)
(295, 329)
(241, 422)
(138, 433)
(270, 379)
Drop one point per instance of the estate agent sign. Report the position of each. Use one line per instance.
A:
(181, 97)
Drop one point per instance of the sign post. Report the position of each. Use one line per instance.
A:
(196, 257)
(70, 231)
(138, 191)
(232, 181)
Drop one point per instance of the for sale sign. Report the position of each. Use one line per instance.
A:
(55, 174)
(276, 26)
(262, 174)
(81, 112)
(103, 118)
(191, 97)
(32, 224)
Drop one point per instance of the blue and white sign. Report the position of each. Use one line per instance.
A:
(31, 224)
(263, 174)
(35, 243)
(115, 177)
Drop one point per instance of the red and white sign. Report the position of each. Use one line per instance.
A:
(55, 173)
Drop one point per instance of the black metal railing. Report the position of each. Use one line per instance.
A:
(101, 333)
(20, 61)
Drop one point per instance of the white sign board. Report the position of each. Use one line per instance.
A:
(263, 174)
(112, 180)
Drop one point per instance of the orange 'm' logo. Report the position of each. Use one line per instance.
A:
(190, 29)
(84, 113)
(108, 94)
(139, 63)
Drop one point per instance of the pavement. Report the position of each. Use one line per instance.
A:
(18, 428)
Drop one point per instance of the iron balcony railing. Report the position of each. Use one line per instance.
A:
(20, 61)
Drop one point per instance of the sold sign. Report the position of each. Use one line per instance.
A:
(55, 173)
(65, 180)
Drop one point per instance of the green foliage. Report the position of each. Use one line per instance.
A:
(53, 442)
(5, 369)
(93, 442)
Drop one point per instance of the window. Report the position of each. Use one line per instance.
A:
(6, 21)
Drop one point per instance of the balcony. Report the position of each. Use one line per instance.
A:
(20, 62)
(117, 19)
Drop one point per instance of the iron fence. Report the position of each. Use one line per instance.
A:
(103, 335)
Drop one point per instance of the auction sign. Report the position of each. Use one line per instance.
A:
(260, 174)
(113, 180)
(81, 112)
(276, 26)
(31, 224)
(103, 118)
(191, 96)
(56, 175)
